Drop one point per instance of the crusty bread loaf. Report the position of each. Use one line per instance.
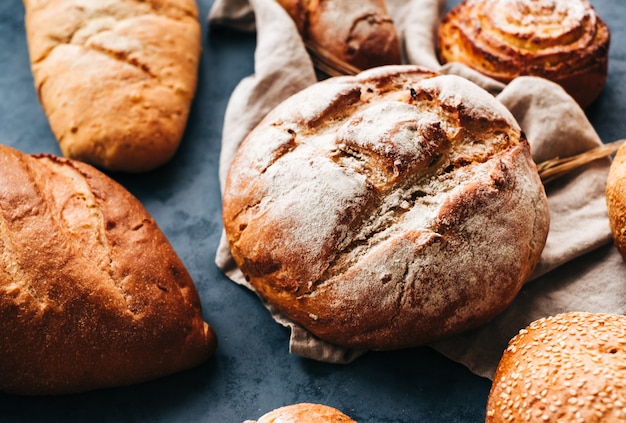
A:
(564, 41)
(115, 77)
(564, 368)
(359, 33)
(616, 200)
(92, 294)
(388, 209)
(304, 413)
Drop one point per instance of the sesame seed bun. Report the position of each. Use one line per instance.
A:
(569, 367)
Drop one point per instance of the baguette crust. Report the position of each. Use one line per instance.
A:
(564, 41)
(360, 33)
(368, 209)
(564, 368)
(115, 78)
(92, 295)
(304, 413)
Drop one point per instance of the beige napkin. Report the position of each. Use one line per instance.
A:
(579, 268)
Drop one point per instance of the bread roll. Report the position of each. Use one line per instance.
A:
(565, 368)
(115, 77)
(360, 33)
(92, 295)
(564, 41)
(386, 210)
(616, 200)
(304, 413)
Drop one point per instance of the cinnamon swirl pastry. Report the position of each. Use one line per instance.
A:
(564, 41)
(366, 208)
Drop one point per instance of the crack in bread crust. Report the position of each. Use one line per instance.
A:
(375, 221)
(92, 294)
(137, 60)
(94, 18)
(64, 199)
(82, 220)
(21, 287)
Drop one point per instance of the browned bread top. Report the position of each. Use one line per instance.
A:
(564, 41)
(564, 368)
(92, 294)
(388, 209)
(115, 78)
(304, 413)
(616, 200)
(360, 33)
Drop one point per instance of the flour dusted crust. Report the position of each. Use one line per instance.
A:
(304, 413)
(360, 33)
(561, 40)
(115, 77)
(563, 368)
(386, 210)
(92, 295)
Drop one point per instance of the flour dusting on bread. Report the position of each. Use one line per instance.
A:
(374, 223)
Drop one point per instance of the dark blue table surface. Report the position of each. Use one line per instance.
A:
(252, 371)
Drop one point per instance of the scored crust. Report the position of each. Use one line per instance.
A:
(115, 78)
(92, 295)
(564, 41)
(563, 368)
(388, 209)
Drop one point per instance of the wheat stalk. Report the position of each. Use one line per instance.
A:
(552, 169)
(328, 63)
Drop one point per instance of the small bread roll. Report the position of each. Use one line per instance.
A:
(92, 294)
(616, 200)
(565, 368)
(388, 209)
(359, 33)
(304, 413)
(564, 41)
(115, 77)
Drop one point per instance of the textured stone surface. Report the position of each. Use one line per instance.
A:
(252, 371)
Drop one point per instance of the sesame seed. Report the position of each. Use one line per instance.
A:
(569, 367)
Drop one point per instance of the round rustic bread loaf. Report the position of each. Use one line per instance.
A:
(564, 368)
(564, 41)
(304, 413)
(388, 209)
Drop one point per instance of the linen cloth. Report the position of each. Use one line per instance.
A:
(579, 269)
